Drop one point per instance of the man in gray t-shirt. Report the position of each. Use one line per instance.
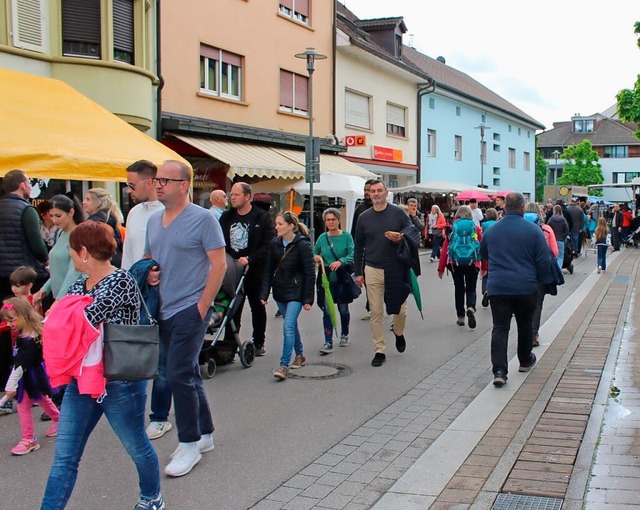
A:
(188, 245)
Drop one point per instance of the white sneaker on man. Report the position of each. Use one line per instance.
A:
(158, 429)
(186, 456)
(205, 444)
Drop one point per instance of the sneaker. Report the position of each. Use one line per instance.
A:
(45, 417)
(460, 321)
(7, 407)
(298, 362)
(25, 446)
(344, 340)
(52, 431)
(281, 373)
(327, 348)
(366, 316)
(154, 504)
(599, 270)
(485, 300)
(278, 313)
(184, 460)
(471, 315)
(205, 444)
(532, 363)
(260, 351)
(378, 359)
(158, 429)
(401, 343)
(499, 379)
(536, 340)
(431, 259)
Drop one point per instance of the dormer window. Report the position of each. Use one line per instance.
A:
(583, 126)
(398, 45)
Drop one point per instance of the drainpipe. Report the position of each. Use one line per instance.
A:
(423, 90)
(159, 73)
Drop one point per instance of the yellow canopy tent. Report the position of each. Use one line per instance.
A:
(50, 130)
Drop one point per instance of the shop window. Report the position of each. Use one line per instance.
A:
(220, 72)
(294, 89)
(123, 33)
(357, 110)
(297, 10)
(81, 28)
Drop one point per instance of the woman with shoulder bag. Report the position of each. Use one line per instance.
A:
(334, 249)
(436, 224)
(107, 295)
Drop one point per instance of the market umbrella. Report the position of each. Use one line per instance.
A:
(415, 290)
(503, 193)
(472, 193)
(328, 298)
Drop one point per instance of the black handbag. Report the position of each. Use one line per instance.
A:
(349, 290)
(132, 351)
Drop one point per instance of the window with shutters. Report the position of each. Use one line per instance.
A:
(123, 35)
(357, 110)
(512, 157)
(527, 161)
(220, 72)
(396, 119)
(294, 92)
(29, 25)
(81, 28)
(297, 10)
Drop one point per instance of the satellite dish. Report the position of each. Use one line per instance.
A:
(441, 59)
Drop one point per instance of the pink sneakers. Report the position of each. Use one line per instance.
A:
(52, 431)
(25, 446)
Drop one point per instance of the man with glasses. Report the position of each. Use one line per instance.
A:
(188, 245)
(247, 232)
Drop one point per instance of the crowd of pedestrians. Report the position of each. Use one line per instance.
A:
(78, 264)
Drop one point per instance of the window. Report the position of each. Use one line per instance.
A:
(496, 181)
(616, 151)
(509, 128)
(295, 9)
(496, 170)
(458, 111)
(624, 177)
(220, 72)
(29, 27)
(527, 161)
(294, 89)
(512, 158)
(396, 116)
(583, 126)
(357, 110)
(496, 137)
(519, 131)
(81, 28)
(457, 150)
(431, 142)
(496, 147)
(483, 118)
(123, 31)
(432, 103)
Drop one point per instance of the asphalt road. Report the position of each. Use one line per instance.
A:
(267, 431)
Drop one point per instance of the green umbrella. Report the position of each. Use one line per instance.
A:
(328, 298)
(415, 290)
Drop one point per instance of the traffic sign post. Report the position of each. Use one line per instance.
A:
(312, 160)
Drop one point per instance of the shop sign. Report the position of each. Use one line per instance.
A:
(355, 140)
(387, 153)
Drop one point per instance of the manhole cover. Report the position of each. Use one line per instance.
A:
(321, 371)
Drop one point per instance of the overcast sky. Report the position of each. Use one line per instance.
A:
(550, 58)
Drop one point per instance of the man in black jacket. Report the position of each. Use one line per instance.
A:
(247, 231)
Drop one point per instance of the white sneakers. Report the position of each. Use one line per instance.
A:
(187, 455)
(158, 429)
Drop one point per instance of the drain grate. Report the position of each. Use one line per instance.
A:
(621, 279)
(321, 371)
(521, 502)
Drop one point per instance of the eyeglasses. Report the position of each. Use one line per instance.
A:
(133, 186)
(162, 181)
(331, 219)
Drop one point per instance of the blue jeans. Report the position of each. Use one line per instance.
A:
(181, 336)
(345, 318)
(124, 407)
(436, 244)
(290, 331)
(160, 391)
(602, 256)
(575, 240)
(560, 253)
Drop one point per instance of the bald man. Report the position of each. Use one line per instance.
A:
(218, 199)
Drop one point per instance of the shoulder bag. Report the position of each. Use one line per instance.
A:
(132, 351)
(350, 289)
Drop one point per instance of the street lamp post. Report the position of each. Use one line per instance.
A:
(312, 152)
(482, 127)
(555, 154)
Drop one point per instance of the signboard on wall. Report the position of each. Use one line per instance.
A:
(386, 153)
(355, 140)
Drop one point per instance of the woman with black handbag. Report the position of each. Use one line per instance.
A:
(334, 249)
(113, 297)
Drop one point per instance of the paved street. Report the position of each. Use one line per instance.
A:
(314, 441)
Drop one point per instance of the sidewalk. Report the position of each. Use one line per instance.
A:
(456, 442)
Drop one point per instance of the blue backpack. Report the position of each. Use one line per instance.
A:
(464, 247)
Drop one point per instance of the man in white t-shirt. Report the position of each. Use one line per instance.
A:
(476, 213)
(143, 193)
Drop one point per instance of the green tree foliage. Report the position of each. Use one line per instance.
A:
(542, 169)
(582, 167)
(629, 99)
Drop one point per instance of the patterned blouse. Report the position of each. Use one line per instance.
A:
(115, 299)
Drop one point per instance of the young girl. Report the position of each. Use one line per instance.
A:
(290, 272)
(601, 233)
(28, 382)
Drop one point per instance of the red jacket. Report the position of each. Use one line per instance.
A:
(72, 347)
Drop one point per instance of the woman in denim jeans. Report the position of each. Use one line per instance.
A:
(115, 301)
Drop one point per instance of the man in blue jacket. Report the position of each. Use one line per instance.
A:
(518, 258)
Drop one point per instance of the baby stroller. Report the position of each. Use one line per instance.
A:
(567, 262)
(633, 239)
(215, 349)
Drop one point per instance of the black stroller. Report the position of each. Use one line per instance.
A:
(633, 238)
(567, 262)
(216, 350)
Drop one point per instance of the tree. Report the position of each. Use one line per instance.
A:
(542, 170)
(629, 100)
(582, 167)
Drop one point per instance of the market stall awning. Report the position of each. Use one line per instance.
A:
(330, 164)
(440, 187)
(50, 130)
